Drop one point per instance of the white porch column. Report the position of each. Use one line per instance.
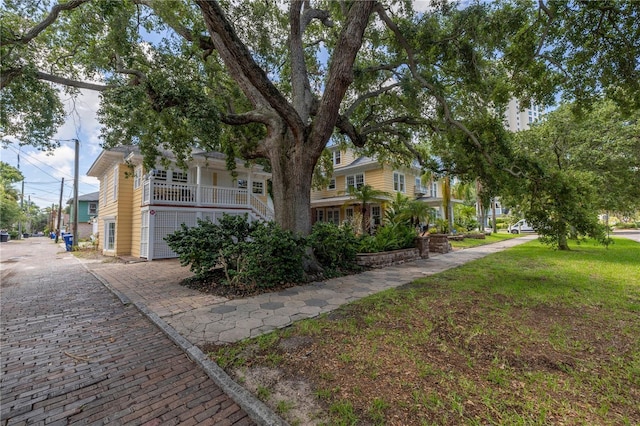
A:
(198, 185)
(151, 236)
(249, 186)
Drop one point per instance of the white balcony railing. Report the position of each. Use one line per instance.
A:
(155, 192)
(421, 190)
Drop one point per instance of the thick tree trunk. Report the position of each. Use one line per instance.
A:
(291, 173)
(562, 242)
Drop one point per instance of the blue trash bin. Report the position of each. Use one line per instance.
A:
(68, 241)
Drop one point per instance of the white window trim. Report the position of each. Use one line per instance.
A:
(337, 158)
(335, 216)
(179, 176)
(332, 184)
(105, 189)
(260, 185)
(107, 247)
(399, 182)
(355, 180)
(115, 183)
(89, 207)
(137, 177)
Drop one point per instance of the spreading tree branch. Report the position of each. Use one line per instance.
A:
(369, 95)
(250, 76)
(50, 19)
(71, 83)
(433, 90)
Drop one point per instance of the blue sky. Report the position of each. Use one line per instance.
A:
(44, 171)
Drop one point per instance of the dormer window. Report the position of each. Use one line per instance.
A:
(336, 158)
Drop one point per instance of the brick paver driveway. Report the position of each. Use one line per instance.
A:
(72, 353)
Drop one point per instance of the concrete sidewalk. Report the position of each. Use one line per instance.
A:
(202, 318)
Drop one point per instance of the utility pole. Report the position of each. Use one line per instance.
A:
(59, 211)
(75, 193)
(21, 202)
(21, 210)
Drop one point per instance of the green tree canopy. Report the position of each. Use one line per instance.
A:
(262, 82)
(580, 164)
(10, 211)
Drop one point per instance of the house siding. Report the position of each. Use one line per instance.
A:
(152, 218)
(136, 221)
(108, 210)
(124, 203)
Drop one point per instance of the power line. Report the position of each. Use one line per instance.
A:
(33, 158)
(29, 156)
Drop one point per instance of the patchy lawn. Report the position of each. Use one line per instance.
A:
(526, 336)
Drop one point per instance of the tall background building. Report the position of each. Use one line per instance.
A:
(519, 118)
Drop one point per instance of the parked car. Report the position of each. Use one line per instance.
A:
(521, 226)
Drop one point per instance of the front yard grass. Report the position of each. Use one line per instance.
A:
(489, 239)
(526, 336)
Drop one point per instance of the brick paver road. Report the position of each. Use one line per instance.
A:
(73, 353)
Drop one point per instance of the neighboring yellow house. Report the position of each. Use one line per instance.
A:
(332, 204)
(138, 207)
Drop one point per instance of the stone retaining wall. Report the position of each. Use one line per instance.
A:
(387, 258)
(439, 243)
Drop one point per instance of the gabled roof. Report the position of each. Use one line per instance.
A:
(109, 158)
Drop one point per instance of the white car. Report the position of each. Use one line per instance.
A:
(521, 226)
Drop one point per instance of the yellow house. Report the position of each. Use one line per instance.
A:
(332, 204)
(139, 207)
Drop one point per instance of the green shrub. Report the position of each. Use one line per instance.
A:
(201, 246)
(253, 254)
(392, 236)
(269, 257)
(333, 246)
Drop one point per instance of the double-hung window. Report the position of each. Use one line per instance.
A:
(398, 182)
(258, 187)
(93, 209)
(376, 215)
(110, 240)
(336, 158)
(332, 184)
(355, 181)
(333, 216)
(137, 176)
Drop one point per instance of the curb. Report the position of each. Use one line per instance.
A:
(255, 408)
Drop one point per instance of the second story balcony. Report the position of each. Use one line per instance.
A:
(192, 195)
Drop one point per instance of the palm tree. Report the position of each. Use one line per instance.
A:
(417, 211)
(365, 195)
(394, 212)
(446, 200)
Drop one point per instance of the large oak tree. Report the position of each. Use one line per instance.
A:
(276, 81)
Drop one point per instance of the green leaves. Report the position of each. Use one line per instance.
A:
(252, 254)
(580, 164)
